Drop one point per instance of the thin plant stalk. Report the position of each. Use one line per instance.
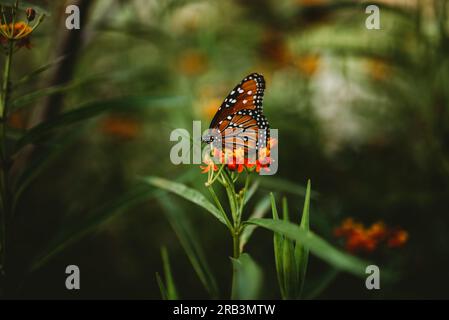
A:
(4, 157)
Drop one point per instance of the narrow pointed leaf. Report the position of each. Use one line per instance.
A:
(301, 251)
(316, 245)
(260, 211)
(172, 293)
(162, 288)
(32, 75)
(290, 271)
(324, 281)
(96, 218)
(27, 99)
(187, 236)
(285, 213)
(187, 193)
(38, 164)
(278, 248)
(252, 190)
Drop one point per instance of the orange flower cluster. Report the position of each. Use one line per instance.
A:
(210, 165)
(236, 160)
(19, 32)
(358, 238)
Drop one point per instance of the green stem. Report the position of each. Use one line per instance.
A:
(230, 190)
(236, 243)
(4, 159)
(6, 82)
(242, 198)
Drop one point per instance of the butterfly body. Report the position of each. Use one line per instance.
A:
(239, 121)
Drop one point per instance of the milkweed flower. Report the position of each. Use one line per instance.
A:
(238, 160)
(19, 32)
(210, 165)
(397, 239)
(359, 238)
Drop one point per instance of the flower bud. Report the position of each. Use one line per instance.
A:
(31, 14)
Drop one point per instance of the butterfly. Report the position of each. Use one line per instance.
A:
(239, 121)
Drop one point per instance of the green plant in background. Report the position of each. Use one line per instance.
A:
(292, 242)
(291, 257)
(168, 290)
(14, 35)
(27, 151)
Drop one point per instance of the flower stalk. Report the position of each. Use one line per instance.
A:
(228, 179)
(14, 35)
(5, 95)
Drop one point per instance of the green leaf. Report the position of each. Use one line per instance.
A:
(89, 111)
(192, 246)
(289, 269)
(187, 193)
(316, 245)
(92, 222)
(162, 288)
(95, 219)
(26, 99)
(305, 211)
(260, 211)
(288, 260)
(278, 248)
(172, 294)
(32, 75)
(40, 163)
(283, 185)
(285, 214)
(323, 282)
(301, 251)
(247, 278)
(252, 190)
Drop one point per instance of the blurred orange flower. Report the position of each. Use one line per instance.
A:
(192, 62)
(398, 238)
(209, 106)
(308, 64)
(360, 238)
(274, 49)
(120, 126)
(378, 69)
(17, 120)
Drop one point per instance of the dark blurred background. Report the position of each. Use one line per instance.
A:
(362, 113)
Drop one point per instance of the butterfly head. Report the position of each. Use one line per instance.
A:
(207, 138)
